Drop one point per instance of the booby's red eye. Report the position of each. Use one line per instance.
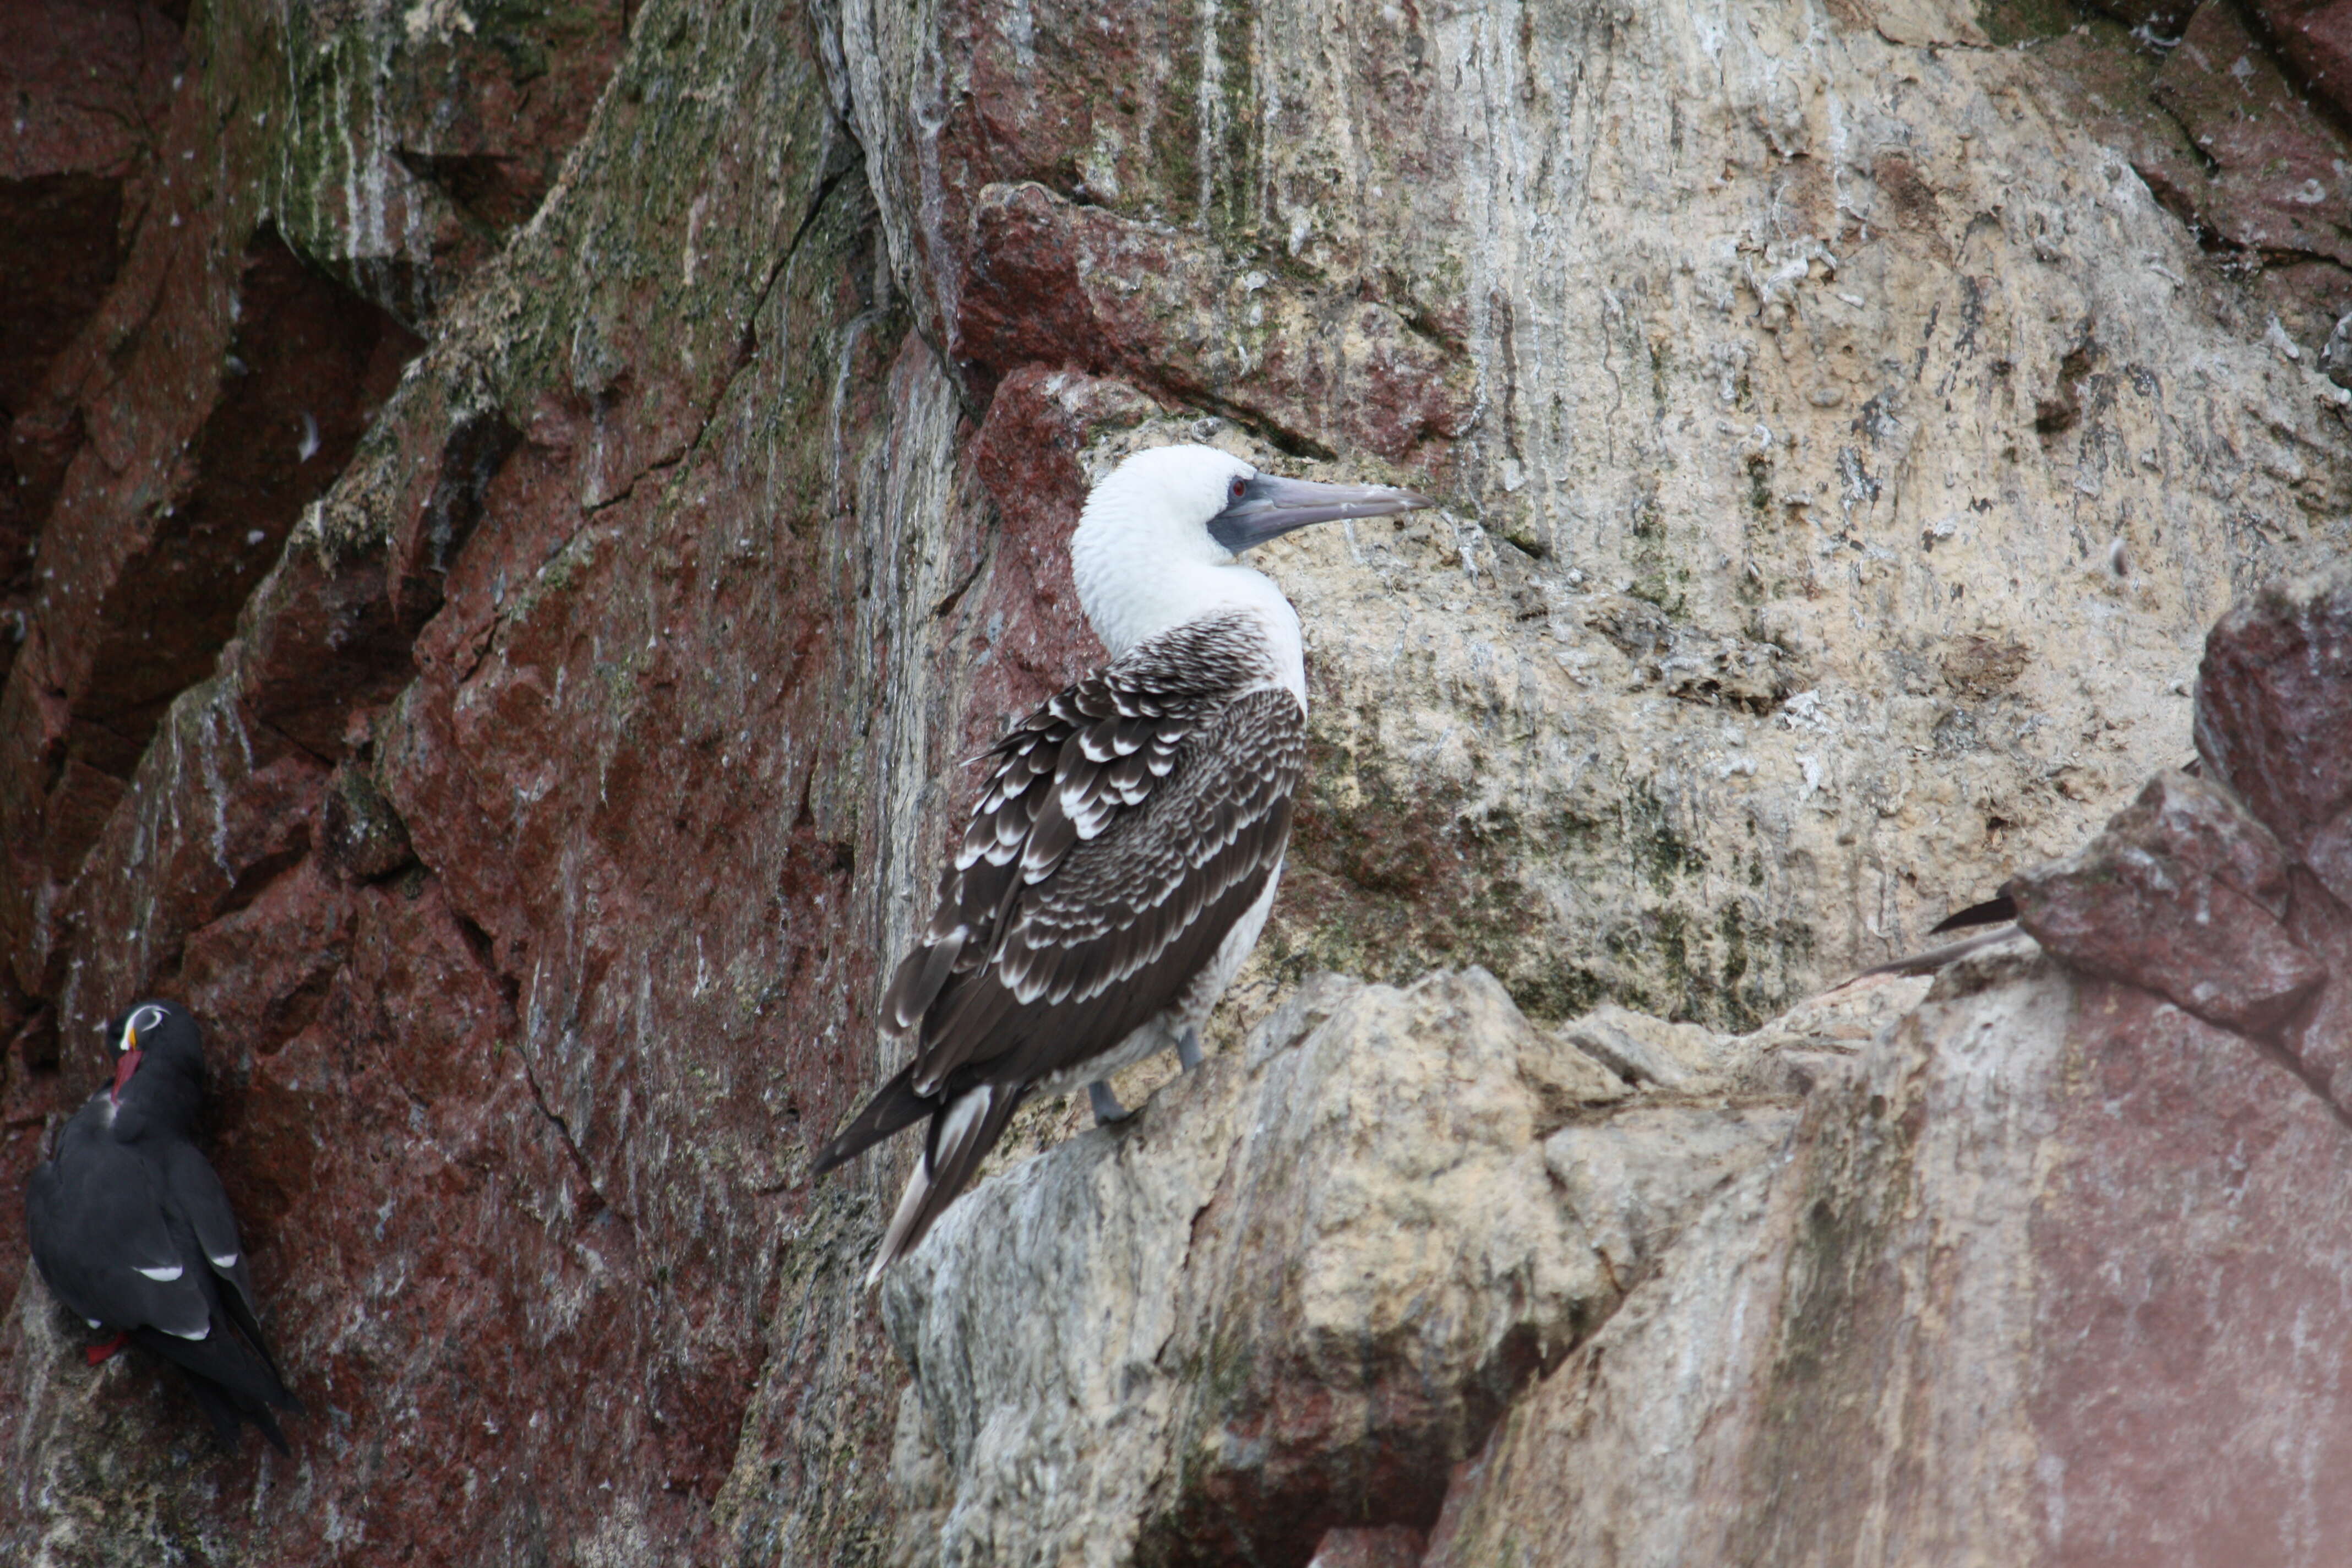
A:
(1237, 487)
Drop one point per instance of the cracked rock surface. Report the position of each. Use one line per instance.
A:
(2031, 1284)
(2049, 1268)
(1294, 1295)
(2045, 1274)
(512, 515)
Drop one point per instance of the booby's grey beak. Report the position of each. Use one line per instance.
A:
(1269, 507)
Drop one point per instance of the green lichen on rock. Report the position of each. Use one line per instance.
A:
(1388, 880)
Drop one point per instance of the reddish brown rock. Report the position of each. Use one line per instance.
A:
(2274, 716)
(1105, 106)
(466, 124)
(2319, 1036)
(1096, 104)
(215, 387)
(2182, 1249)
(84, 88)
(2181, 895)
(360, 833)
(2272, 183)
(2314, 40)
(2203, 826)
(1393, 1546)
(2162, 19)
(222, 387)
(1065, 223)
(85, 81)
(307, 366)
(2112, 1360)
(486, 113)
(1034, 633)
(465, 1194)
(1053, 283)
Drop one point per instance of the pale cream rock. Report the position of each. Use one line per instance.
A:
(1382, 1188)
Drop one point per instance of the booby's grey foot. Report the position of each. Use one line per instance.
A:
(1188, 1049)
(1107, 1109)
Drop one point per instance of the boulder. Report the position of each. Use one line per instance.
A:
(1297, 1292)
(2028, 1286)
(2182, 894)
(2274, 716)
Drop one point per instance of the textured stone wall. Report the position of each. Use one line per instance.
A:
(516, 512)
(1839, 465)
(2056, 1276)
(2042, 1262)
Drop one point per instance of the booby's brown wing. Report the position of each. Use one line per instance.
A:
(1121, 921)
(1127, 824)
(1090, 752)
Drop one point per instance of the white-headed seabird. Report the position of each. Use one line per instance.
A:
(1124, 854)
(130, 1226)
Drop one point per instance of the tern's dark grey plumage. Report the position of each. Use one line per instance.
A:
(132, 1231)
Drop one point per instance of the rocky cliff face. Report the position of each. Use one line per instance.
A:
(2042, 1262)
(516, 512)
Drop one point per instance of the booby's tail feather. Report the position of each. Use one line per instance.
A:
(894, 1105)
(963, 1132)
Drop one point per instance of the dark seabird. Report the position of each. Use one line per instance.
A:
(1124, 852)
(1994, 910)
(2002, 907)
(131, 1229)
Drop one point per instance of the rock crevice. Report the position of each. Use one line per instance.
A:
(664, 424)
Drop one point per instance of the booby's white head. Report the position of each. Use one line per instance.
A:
(1161, 540)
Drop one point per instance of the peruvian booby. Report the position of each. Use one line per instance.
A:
(1124, 852)
(131, 1228)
